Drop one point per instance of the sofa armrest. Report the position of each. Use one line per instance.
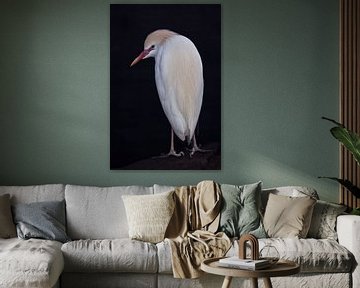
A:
(348, 230)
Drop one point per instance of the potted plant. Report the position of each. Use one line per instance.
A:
(351, 141)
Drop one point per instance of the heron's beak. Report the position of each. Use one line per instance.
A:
(142, 55)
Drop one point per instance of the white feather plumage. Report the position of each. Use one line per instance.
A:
(179, 81)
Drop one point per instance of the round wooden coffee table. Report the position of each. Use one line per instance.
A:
(281, 268)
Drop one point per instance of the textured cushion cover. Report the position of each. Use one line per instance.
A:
(164, 257)
(117, 255)
(149, 215)
(323, 223)
(45, 220)
(110, 280)
(34, 193)
(313, 255)
(98, 212)
(31, 263)
(293, 191)
(163, 188)
(7, 226)
(288, 216)
(240, 210)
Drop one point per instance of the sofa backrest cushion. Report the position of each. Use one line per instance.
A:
(98, 212)
(163, 188)
(36, 193)
(7, 226)
(292, 191)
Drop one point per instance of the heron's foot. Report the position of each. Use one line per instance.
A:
(198, 149)
(172, 152)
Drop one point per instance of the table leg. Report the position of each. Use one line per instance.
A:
(227, 282)
(267, 283)
(254, 282)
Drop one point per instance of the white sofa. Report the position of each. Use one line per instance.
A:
(101, 254)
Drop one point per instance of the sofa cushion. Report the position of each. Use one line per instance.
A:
(164, 257)
(313, 255)
(36, 193)
(288, 216)
(98, 213)
(149, 215)
(323, 222)
(7, 226)
(291, 191)
(117, 255)
(163, 188)
(30, 263)
(109, 280)
(43, 220)
(240, 210)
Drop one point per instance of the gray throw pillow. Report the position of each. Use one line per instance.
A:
(44, 220)
(323, 222)
(240, 213)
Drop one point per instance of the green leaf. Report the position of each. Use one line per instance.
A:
(348, 138)
(347, 184)
(333, 121)
(355, 211)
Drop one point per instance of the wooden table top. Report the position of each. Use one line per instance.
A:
(281, 268)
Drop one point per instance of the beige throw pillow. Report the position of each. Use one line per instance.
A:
(288, 217)
(149, 215)
(7, 226)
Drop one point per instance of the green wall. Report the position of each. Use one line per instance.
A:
(279, 76)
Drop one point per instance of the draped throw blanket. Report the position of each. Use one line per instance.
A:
(191, 231)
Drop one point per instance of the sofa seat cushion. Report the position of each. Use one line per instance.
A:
(30, 263)
(115, 255)
(313, 255)
(164, 257)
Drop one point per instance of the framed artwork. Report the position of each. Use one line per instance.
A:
(165, 86)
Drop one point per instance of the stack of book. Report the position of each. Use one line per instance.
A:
(248, 264)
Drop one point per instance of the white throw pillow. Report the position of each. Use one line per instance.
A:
(149, 215)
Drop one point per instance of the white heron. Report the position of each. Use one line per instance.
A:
(179, 81)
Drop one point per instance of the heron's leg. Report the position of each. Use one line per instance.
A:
(196, 148)
(172, 151)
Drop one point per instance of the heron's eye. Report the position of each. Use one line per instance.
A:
(152, 47)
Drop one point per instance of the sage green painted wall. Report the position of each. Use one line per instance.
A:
(279, 76)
